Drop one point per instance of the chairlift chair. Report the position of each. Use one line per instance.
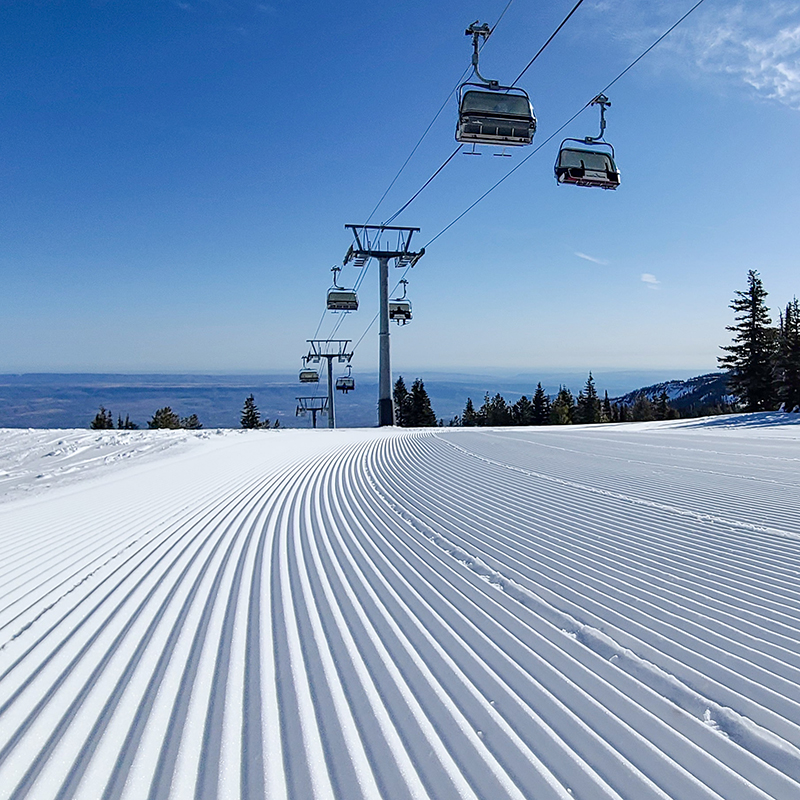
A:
(400, 310)
(499, 115)
(308, 375)
(400, 307)
(340, 299)
(489, 113)
(346, 383)
(587, 167)
(589, 164)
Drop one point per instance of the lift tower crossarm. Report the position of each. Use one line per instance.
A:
(315, 405)
(363, 247)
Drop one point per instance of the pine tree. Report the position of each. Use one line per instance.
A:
(541, 407)
(522, 412)
(788, 357)
(164, 418)
(469, 417)
(127, 425)
(662, 406)
(420, 413)
(102, 420)
(642, 410)
(606, 414)
(588, 409)
(250, 416)
(494, 411)
(750, 358)
(191, 423)
(401, 403)
(562, 411)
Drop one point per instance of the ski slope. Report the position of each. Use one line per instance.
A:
(581, 613)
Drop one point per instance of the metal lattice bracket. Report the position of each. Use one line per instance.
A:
(382, 242)
(328, 348)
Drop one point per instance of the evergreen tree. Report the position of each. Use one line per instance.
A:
(494, 411)
(588, 409)
(624, 413)
(522, 412)
(127, 425)
(606, 414)
(642, 410)
(469, 417)
(250, 416)
(541, 407)
(562, 411)
(102, 420)
(420, 413)
(750, 358)
(401, 403)
(662, 409)
(164, 418)
(788, 357)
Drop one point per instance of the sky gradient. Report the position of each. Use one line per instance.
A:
(177, 177)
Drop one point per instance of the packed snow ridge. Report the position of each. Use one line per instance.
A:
(576, 612)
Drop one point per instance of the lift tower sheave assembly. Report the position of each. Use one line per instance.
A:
(329, 349)
(385, 243)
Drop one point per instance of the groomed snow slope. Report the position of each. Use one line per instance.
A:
(590, 613)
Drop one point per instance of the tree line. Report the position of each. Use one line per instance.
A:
(563, 409)
(413, 408)
(162, 418)
(166, 418)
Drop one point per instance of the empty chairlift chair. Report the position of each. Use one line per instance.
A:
(309, 375)
(501, 116)
(340, 299)
(489, 113)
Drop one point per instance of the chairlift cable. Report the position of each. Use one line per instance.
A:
(657, 41)
(423, 187)
(558, 130)
(544, 46)
(498, 21)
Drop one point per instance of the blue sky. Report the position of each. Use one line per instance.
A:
(177, 176)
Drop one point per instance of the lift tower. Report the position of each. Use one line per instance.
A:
(329, 349)
(315, 405)
(385, 243)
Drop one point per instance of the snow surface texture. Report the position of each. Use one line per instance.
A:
(590, 612)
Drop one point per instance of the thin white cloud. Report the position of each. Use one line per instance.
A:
(758, 42)
(602, 261)
(651, 280)
(750, 42)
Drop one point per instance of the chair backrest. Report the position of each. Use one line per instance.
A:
(586, 159)
(475, 101)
